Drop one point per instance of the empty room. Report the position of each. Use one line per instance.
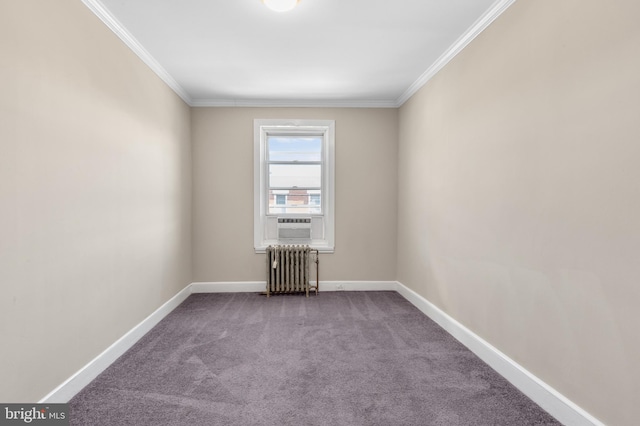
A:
(319, 212)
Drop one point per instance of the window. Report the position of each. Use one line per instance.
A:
(294, 171)
(294, 177)
(281, 200)
(314, 202)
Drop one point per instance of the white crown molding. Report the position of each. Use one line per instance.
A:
(480, 25)
(294, 103)
(114, 25)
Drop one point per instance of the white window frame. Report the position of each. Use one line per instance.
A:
(325, 220)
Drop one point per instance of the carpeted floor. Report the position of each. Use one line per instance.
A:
(344, 358)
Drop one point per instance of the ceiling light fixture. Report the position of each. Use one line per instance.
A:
(280, 5)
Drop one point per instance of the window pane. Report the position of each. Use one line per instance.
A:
(295, 176)
(295, 201)
(295, 148)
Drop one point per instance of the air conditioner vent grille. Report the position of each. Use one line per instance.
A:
(294, 220)
(294, 229)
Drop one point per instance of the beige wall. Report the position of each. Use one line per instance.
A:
(94, 193)
(513, 194)
(519, 196)
(366, 183)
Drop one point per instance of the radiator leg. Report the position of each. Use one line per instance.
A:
(315, 260)
(269, 271)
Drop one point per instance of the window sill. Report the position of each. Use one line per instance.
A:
(321, 249)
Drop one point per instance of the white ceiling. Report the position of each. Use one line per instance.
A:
(322, 53)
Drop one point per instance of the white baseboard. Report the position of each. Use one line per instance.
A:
(542, 394)
(357, 286)
(259, 286)
(228, 287)
(74, 384)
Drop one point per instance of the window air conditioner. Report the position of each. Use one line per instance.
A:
(294, 230)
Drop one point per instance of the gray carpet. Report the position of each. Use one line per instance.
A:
(345, 358)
